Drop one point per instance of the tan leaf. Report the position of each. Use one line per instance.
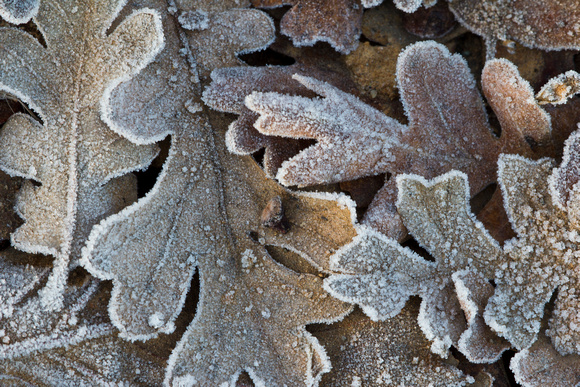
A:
(67, 84)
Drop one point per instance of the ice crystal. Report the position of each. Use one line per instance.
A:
(18, 11)
(549, 25)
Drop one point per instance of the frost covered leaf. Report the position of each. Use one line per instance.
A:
(79, 162)
(18, 11)
(542, 206)
(337, 22)
(204, 212)
(390, 353)
(560, 89)
(381, 274)
(447, 128)
(231, 85)
(548, 25)
(541, 365)
(70, 347)
(217, 33)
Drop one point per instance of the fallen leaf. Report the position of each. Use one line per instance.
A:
(447, 128)
(204, 211)
(380, 275)
(393, 353)
(70, 347)
(66, 83)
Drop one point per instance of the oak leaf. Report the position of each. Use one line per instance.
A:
(380, 275)
(228, 90)
(447, 127)
(204, 212)
(67, 83)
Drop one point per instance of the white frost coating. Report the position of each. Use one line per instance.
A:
(194, 20)
(340, 122)
(106, 111)
(18, 11)
(441, 178)
(516, 365)
(102, 229)
(408, 6)
(371, 3)
(569, 161)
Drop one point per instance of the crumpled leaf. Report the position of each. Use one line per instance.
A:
(447, 128)
(549, 25)
(18, 11)
(381, 274)
(67, 84)
(204, 212)
(70, 347)
(390, 353)
(560, 89)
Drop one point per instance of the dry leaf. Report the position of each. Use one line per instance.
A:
(447, 127)
(381, 274)
(204, 212)
(551, 25)
(231, 85)
(241, 31)
(390, 353)
(67, 84)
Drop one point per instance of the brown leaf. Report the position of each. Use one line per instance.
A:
(204, 212)
(337, 22)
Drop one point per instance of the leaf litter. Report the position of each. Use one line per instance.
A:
(260, 228)
(339, 122)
